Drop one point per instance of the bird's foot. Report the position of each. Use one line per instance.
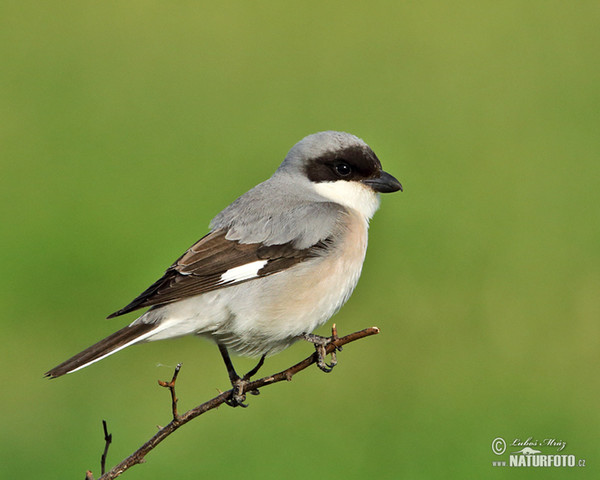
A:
(321, 344)
(238, 396)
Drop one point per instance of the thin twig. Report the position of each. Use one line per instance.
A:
(107, 441)
(171, 386)
(180, 420)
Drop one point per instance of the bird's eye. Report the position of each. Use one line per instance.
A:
(343, 169)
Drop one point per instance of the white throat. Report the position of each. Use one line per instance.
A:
(353, 195)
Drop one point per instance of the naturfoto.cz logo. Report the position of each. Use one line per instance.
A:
(528, 454)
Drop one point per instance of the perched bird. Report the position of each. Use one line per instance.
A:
(277, 263)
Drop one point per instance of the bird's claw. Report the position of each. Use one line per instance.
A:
(321, 344)
(238, 396)
(321, 354)
(238, 393)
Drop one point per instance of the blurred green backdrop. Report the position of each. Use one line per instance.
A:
(127, 125)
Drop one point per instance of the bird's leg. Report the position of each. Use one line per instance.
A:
(238, 384)
(254, 371)
(246, 378)
(321, 344)
(238, 397)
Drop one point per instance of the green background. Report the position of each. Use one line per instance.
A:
(125, 126)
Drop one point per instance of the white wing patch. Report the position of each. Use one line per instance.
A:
(243, 272)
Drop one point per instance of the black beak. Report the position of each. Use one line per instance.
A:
(384, 183)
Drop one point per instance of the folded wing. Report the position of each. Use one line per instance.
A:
(215, 262)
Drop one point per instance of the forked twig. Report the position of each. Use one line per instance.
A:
(107, 442)
(171, 386)
(180, 420)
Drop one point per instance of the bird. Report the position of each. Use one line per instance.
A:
(276, 263)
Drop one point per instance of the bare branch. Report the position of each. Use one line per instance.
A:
(171, 386)
(180, 420)
(107, 441)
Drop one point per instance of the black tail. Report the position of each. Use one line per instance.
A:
(111, 344)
